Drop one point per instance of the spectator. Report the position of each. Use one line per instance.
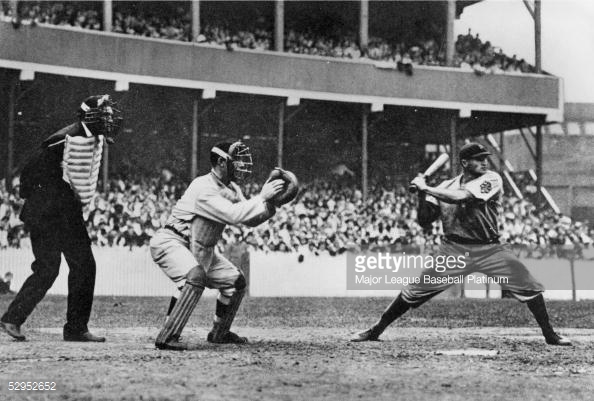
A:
(5, 284)
(175, 24)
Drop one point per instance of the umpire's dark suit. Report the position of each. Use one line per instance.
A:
(53, 215)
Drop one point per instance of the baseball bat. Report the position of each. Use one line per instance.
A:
(436, 165)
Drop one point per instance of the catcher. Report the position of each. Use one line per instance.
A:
(184, 248)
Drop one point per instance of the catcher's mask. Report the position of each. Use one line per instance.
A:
(100, 116)
(239, 160)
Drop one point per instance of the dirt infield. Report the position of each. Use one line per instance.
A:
(295, 361)
(302, 364)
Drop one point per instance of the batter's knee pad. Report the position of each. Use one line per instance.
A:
(188, 299)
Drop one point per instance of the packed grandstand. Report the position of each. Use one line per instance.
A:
(328, 217)
(174, 22)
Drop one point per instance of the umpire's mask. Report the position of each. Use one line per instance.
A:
(100, 116)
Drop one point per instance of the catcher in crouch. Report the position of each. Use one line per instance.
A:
(184, 248)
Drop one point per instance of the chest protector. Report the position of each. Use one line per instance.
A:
(80, 165)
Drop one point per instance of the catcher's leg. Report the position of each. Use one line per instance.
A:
(172, 303)
(168, 338)
(227, 306)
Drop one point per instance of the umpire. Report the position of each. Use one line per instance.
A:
(57, 182)
(469, 206)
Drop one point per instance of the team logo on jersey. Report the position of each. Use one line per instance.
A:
(486, 187)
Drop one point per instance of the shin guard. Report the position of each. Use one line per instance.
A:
(179, 315)
(221, 327)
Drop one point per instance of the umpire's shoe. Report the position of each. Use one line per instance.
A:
(556, 339)
(83, 337)
(370, 334)
(227, 338)
(13, 330)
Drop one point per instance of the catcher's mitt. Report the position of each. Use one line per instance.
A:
(290, 188)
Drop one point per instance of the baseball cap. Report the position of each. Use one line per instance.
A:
(472, 150)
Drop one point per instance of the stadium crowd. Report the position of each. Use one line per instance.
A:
(328, 217)
(471, 52)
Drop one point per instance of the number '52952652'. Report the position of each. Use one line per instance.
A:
(31, 386)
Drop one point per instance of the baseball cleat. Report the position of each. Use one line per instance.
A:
(174, 345)
(556, 339)
(12, 330)
(227, 338)
(367, 335)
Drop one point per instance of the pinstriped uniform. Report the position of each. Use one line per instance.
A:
(195, 226)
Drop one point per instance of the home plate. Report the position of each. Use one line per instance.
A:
(468, 352)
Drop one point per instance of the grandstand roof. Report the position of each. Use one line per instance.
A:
(462, 4)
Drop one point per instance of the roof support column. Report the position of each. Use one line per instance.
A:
(12, 87)
(534, 11)
(196, 137)
(364, 159)
(537, 37)
(455, 164)
(539, 164)
(281, 132)
(450, 41)
(105, 167)
(195, 141)
(364, 26)
(107, 15)
(195, 19)
(279, 26)
(538, 67)
(502, 151)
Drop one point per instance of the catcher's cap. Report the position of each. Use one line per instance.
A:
(221, 152)
(473, 150)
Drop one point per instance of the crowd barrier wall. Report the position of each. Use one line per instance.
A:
(123, 272)
(135, 59)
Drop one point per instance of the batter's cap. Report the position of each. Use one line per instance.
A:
(472, 150)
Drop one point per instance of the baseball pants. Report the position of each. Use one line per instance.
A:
(49, 240)
(493, 260)
(171, 252)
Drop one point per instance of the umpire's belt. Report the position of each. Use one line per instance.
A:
(469, 241)
(175, 231)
